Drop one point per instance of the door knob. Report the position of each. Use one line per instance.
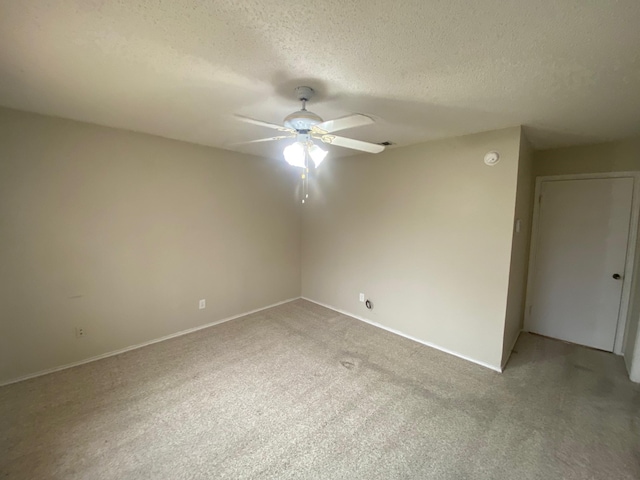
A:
(616, 276)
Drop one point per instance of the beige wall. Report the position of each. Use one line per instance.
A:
(520, 250)
(123, 233)
(425, 232)
(632, 335)
(621, 156)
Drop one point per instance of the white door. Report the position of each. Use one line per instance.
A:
(580, 254)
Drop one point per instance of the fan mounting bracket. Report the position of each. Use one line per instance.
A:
(305, 94)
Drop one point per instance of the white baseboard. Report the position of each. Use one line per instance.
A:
(504, 364)
(428, 344)
(140, 345)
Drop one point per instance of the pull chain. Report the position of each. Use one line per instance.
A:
(305, 178)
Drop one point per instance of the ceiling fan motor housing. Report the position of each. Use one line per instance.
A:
(302, 120)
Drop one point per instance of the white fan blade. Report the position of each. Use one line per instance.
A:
(271, 139)
(350, 121)
(260, 123)
(351, 143)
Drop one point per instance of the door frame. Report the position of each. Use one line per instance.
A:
(625, 297)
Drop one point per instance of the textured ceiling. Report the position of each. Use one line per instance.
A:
(568, 70)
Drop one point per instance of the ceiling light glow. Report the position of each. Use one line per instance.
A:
(317, 154)
(295, 154)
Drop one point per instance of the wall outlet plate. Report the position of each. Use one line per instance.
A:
(361, 297)
(202, 304)
(80, 332)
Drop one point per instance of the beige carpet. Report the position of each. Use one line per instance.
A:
(299, 391)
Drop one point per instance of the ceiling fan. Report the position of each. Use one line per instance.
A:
(306, 126)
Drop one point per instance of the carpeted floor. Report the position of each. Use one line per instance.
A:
(299, 391)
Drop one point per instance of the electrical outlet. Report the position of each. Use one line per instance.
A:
(80, 332)
(202, 304)
(362, 297)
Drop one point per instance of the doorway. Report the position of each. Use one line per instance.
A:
(582, 249)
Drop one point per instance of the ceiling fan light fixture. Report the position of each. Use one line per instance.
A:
(294, 154)
(317, 154)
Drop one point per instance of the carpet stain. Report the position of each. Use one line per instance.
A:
(580, 367)
(348, 365)
(604, 387)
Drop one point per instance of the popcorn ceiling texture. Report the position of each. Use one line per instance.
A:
(569, 71)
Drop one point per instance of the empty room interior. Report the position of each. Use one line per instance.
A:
(330, 240)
